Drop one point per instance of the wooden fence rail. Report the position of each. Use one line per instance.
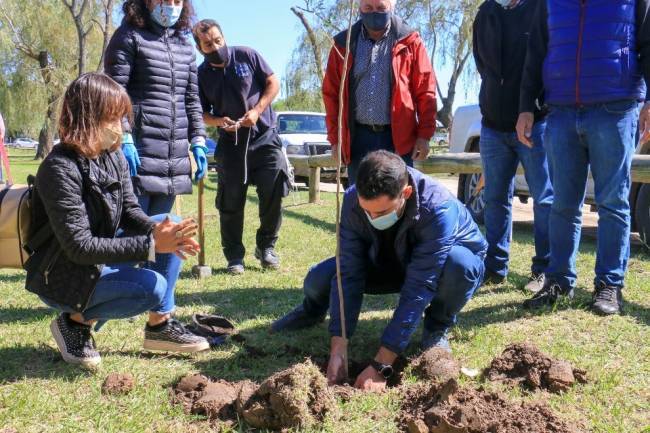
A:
(458, 163)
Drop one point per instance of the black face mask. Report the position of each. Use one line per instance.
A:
(218, 57)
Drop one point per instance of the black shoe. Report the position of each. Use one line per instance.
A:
(548, 295)
(535, 282)
(235, 267)
(296, 319)
(268, 258)
(75, 342)
(172, 336)
(607, 300)
(492, 278)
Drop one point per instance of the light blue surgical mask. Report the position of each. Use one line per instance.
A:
(166, 15)
(384, 222)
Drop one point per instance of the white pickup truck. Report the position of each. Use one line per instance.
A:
(464, 137)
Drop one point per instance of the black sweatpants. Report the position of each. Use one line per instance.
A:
(268, 172)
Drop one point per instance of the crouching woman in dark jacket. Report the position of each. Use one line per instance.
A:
(84, 260)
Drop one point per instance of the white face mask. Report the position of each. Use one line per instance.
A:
(505, 3)
(109, 137)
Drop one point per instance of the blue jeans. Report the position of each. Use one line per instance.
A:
(600, 137)
(501, 153)
(366, 141)
(462, 275)
(156, 204)
(124, 290)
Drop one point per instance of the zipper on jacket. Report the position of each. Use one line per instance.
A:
(47, 271)
(173, 125)
(579, 53)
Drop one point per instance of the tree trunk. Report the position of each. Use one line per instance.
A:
(314, 42)
(106, 30)
(46, 136)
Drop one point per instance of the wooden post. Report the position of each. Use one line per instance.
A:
(314, 184)
(201, 270)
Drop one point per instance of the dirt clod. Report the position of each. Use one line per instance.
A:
(436, 364)
(296, 397)
(524, 364)
(448, 408)
(118, 384)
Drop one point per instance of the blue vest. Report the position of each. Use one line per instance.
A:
(592, 56)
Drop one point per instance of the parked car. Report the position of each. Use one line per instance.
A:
(305, 133)
(464, 137)
(25, 143)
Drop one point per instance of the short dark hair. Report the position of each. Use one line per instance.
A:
(90, 100)
(137, 14)
(202, 27)
(381, 173)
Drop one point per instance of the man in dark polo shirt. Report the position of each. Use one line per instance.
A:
(237, 88)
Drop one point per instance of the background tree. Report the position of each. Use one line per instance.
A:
(37, 63)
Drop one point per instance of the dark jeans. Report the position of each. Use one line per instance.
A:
(156, 204)
(366, 141)
(271, 187)
(501, 153)
(601, 138)
(462, 275)
(124, 290)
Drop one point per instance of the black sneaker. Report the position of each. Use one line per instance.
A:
(172, 336)
(75, 342)
(548, 295)
(296, 319)
(607, 300)
(235, 267)
(535, 282)
(492, 278)
(268, 258)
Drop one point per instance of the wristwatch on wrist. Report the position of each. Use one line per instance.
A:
(385, 370)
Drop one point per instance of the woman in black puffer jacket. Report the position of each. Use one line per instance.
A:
(90, 232)
(151, 57)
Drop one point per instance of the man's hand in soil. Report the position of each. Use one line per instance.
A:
(370, 380)
(250, 118)
(336, 366)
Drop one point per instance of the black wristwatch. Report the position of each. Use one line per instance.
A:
(385, 370)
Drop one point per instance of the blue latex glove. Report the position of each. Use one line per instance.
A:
(201, 159)
(131, 153)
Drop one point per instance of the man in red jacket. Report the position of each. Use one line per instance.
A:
(389, 95)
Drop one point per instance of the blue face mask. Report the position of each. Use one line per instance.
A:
(375, 21)
(384, 222)
(165, 15)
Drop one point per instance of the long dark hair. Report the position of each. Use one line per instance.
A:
(137, 14)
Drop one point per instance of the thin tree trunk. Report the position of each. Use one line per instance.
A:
(46, 136)
(77, 9)
(314, 43)
(107, 28)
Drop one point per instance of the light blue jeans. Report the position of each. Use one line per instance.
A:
(600, 137)
(501, 153)
(124, 290)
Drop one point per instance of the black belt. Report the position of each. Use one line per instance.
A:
(374, 128)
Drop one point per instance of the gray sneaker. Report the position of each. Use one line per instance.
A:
(268, 258)
(173, 337)
(75, 342)
(535, 283)
(235, 267)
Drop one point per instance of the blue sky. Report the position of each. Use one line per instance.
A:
(271, 28)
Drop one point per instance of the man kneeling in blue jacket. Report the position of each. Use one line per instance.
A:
(401, 232)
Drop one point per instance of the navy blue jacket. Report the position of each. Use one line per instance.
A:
(157, 67)
(585, 52)
(433, 222)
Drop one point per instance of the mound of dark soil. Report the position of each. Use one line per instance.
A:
(447, 408)
(118, 384)
(436, 364)
(525, 365)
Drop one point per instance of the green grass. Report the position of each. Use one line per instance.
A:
(40, 393)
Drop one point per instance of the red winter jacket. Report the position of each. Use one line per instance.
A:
(413, 112)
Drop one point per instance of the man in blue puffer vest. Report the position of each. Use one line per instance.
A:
(592, 58)
(401, 232)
